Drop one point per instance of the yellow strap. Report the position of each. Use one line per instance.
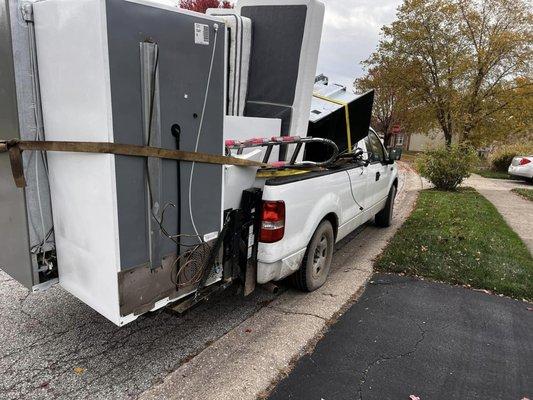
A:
(278, 173)
(347, 115)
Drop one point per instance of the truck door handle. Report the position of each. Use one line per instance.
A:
(378, 174)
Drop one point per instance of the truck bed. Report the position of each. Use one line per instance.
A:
(284, 180)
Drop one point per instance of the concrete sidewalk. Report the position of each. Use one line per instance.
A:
(410, 337)
(517, 211)
(246, 362)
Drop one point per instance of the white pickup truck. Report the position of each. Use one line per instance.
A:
(305, 215)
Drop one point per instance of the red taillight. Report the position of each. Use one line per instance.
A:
(524, 161)
(272, 221)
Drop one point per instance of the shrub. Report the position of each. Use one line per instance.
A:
(447, 167)
(501, 158)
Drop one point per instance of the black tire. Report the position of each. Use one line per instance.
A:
(384, 217)
(317, 260)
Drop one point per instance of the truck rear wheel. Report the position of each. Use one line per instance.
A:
(384, 217)
(317, 260)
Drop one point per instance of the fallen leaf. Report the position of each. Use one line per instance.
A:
(79, 370)
(247, 330)
(44, 385)
(413, 397)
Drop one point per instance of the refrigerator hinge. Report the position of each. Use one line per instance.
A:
(27, 11)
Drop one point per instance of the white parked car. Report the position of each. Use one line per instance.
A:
(522, 167)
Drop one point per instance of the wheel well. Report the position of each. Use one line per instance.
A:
(332, 218)
(395, 183)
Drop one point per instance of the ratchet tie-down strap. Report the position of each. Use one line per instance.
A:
(346, 114)
(15, 148)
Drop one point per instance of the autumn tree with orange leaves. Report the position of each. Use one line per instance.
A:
(461, 66)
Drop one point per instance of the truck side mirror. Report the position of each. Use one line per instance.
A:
(395, 154)
(358, 153)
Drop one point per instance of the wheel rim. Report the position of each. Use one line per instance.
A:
(320, 256)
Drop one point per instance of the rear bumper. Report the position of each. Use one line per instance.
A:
(280, 269)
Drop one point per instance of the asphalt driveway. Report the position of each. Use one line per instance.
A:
(410, 337)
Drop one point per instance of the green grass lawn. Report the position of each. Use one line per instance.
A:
(459, 237)
(526, 193)
(488, 173)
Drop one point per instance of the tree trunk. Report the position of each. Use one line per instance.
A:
(446, 126)
(386, 138)
(448, 133)
(448, 138)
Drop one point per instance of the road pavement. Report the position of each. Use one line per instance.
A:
(410, 337)
(54, 346)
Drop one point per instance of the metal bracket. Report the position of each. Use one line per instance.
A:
(193, 300)
(251, 207)
(152, 136)
(27, 11)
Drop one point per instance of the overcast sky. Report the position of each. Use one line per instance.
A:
(350, 35)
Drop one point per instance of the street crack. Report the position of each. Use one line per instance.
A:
(388, 358)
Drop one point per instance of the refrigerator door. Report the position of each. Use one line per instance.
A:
(14, 237)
